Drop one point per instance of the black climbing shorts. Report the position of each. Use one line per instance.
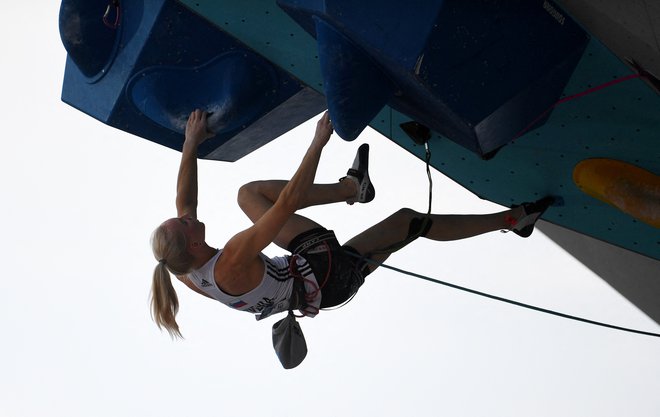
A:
(342, 265)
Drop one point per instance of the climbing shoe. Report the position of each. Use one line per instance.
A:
(359, 174)
(524, 225)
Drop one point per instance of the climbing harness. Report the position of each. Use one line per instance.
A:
(288, 338)
(308, 309)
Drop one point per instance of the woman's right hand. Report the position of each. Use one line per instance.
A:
(197, 128)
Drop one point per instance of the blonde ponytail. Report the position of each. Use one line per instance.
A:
(164, 301)
(169, 248)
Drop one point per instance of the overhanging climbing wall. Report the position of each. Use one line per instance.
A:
(613, 120)
(619, 122)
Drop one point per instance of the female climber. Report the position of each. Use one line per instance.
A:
(319, 272)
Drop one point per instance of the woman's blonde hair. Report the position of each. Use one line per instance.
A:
(170, 249)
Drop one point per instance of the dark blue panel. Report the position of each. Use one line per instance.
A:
(500, 63)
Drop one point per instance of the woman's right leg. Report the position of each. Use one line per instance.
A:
(255, 198)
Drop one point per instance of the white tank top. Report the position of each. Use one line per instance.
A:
(271, 296)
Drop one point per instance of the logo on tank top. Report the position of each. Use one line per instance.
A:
(238, 304)
(205, 283)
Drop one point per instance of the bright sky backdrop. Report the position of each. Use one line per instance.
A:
(80, 200)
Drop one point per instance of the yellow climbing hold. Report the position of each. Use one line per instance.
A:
(631, 189)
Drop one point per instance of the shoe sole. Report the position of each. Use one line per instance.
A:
(538, 208)
(362, 168)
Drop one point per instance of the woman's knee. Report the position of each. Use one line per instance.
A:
(405, 215)
(415, 223)
(247, 193)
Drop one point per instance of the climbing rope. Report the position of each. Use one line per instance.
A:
(641, 73)
(392, 248)
(506, 300)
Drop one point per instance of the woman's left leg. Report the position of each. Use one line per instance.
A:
(402, 227)
(255, 198)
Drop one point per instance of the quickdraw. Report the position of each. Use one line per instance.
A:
(106, 15)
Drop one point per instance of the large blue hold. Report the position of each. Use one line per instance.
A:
(478, 72)
(235, 88)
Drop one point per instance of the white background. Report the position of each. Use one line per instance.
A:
(80, 200)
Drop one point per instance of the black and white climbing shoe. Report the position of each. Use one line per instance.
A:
(359, 173)
(524, 225)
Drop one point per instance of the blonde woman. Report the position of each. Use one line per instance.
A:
(318, 272)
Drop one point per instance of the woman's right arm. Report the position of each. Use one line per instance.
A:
(186, 186)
